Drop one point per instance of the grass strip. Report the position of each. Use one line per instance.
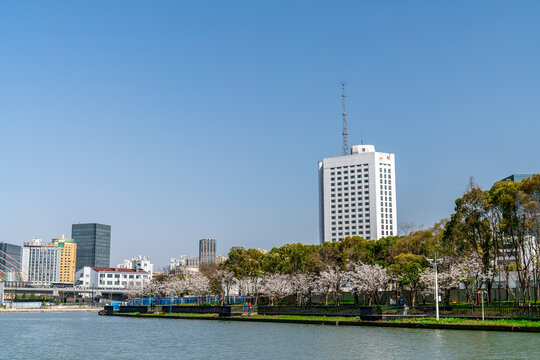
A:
(426, 323)
(461, 321)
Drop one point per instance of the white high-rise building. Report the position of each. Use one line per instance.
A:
(357, 195)
(41, 262)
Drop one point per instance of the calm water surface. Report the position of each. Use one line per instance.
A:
(89, 336)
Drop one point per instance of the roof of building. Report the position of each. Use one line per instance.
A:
(358, 149)
(517, 177)
(119, 270)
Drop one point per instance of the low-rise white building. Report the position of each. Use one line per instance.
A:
(110, 278)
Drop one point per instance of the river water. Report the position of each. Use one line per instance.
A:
(90, 336)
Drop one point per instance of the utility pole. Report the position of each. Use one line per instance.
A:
(345, 149)
(436, 262)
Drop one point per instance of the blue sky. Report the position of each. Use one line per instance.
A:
(173, 121)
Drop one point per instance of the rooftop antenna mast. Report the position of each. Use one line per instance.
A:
(345, 150)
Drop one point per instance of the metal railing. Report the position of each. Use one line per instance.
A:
(490, 310)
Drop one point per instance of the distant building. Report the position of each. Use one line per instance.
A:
(517, 177)
(532, 247)
(41, 262)
(264, 251)
(357, 195)
(207, 255)
(192, 262)
(184, 263)
(138, 263)
(10, 262)
(173, 264)
(110, 278)
(207, 251)
(68, 258)
(93, 244)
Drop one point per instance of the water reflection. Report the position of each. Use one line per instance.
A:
(89, 336)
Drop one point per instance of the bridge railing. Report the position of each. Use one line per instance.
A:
(18, 284)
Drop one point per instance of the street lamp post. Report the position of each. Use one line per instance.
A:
(170, 303)
(482, 291)
(436, 262)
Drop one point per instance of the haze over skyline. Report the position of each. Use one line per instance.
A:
(173, 122)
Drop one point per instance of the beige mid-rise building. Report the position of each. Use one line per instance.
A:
(68, 258)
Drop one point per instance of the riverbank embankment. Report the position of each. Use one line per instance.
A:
(51, 309)
(424, 323)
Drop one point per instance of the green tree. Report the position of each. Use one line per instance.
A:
(406, 269)
(246, 264)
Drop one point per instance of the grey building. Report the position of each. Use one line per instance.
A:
(93, 244)
(517, 177)
(10, 260)
(207, 251)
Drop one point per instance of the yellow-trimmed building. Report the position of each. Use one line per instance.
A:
(68, 257)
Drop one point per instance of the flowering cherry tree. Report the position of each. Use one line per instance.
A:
(277, 287)
(199, 285)
(370, 280)
(179, 284)
(224, 280)
(153, 289)
(472, 279)
(448, 277)
(132, 291)
(247, 287)
(330, 282)
(303, 285)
